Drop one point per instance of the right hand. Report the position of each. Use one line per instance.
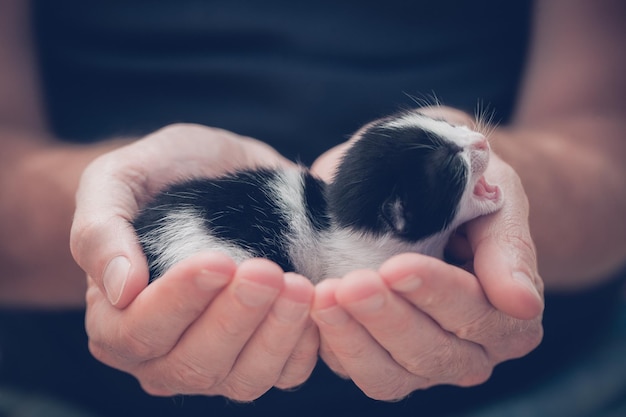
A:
(417, 322)
(207, 326)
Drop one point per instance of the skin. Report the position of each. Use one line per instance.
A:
(562, 155)
(257, 316)
(385, 313)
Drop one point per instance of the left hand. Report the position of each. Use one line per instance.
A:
(207, 326)
(418, 321)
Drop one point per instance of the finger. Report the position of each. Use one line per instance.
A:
(197, 150)
(117, 184)
(261, 362)
(367, 363)
(430, 285)
(414, 340)
(504, 253)
(330, 359)
(154, 322)
(504, 264)
(207, 351)
(455, 300)
(302, 360)
(326, 164)
(325, 296)
(102, 241)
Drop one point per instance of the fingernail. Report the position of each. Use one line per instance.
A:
(114, 278)
(369, 304)
(289, 311)
(407, 284)
(524, 279)
(333, 316)
(209, 280)
(255, 295)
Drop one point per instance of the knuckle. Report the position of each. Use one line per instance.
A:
(351, 355)
(136, 345)
(295, 376)
(525, 336)
(140, 349)
(188, 378)
(155, 389)
(275, 352)
(479, 326)
(303, 354)
(229, 327)
(428, 299)
(504, 337)
(241, 388)
(98, 351)
(476, 377)
(292, 380)
(438, 363)
(331, 360)
(82, 235)
(450, 361)
(104, 352)
(389, 390)
(518, 237)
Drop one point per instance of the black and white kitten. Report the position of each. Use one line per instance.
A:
(404, 185)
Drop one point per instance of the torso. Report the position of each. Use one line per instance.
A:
(300, 76)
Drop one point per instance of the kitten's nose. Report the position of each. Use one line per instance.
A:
(481, 144)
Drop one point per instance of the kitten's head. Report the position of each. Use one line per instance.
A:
(413, 176)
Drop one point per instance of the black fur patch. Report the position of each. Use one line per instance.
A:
(415, 190)
(235, 208)
(315, 202)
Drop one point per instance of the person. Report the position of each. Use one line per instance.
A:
(89, 108)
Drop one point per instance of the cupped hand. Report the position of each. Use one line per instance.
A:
(117, 184)
(417, 321)
(207, 326)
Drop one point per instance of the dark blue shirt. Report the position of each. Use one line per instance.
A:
(301, 76)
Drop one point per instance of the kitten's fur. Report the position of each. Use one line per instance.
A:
(404, 185)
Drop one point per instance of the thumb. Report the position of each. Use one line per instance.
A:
(505, 259)
(102, 240)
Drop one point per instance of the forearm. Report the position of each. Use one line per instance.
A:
(574, 175)
(38, 180)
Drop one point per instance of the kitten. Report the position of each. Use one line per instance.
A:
(404, 185)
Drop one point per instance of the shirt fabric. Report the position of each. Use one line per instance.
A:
(301, 76)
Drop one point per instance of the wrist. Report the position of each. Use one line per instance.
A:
(574, 224)
(38, 186)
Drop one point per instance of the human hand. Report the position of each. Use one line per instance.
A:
(419, 322)
(207, 326)
(118, 183)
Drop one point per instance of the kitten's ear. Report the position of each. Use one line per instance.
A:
(394, 214)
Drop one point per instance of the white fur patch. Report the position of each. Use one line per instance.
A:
(181, 234)
(344, 250)
(287, 191)
(460, 135)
